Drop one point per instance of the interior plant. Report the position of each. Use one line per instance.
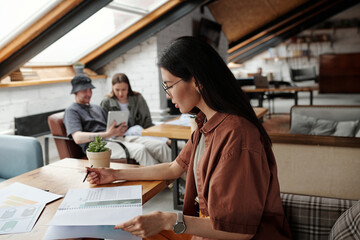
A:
(78, 67)
(98, 154)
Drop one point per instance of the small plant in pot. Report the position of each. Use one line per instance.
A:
(98, 154)
(78, 67)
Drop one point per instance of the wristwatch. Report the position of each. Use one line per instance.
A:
(179, 226)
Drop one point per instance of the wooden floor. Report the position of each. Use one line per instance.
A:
(277, 123)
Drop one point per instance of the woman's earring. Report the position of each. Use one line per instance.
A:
(198, 91)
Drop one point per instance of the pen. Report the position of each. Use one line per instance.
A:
(87, 174)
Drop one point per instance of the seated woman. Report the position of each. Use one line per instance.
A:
(123, 98)
(232, 189)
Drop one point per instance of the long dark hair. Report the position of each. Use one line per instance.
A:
(188, 57)
(119, 78)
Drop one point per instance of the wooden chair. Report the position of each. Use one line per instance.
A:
(66, 146)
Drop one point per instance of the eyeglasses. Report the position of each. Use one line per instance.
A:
(166, 88)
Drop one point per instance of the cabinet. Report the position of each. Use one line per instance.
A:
(339, 73)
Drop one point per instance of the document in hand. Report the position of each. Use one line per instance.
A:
(99, 206)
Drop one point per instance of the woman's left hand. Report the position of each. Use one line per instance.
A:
(149, 224)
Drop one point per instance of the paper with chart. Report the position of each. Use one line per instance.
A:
(20, 207)
(19, 219)
(18, 194)
(99, 206)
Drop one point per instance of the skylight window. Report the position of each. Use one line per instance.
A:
(17, 15)
(95, 31)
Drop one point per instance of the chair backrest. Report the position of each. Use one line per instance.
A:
(19, 154)
(303, 74)
(261, 82)
(66, 148)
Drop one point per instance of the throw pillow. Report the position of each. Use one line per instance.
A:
(301, 124)
(346, 128)
(358, 134)
(348, 224)
(323, 127)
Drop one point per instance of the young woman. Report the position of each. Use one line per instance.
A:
(123, 98)
(232, 189)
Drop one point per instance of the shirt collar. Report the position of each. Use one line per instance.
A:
(214, 121)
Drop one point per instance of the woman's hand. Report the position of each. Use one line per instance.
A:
(101, 175)
(118, 131)
(149, 224)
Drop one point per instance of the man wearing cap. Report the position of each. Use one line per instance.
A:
(83, 121)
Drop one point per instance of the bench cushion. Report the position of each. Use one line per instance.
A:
(312, 217)
(308, 125)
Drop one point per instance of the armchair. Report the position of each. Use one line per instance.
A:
(66, 146)
(19, 154)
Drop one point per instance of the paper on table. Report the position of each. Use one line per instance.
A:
(19, 219)
(99, 206)
(18, 194)
(108, 232)
(20, 207)
(182, 121)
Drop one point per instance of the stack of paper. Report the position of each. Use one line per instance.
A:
(94, 212)
(21, 206)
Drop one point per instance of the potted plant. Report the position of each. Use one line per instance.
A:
(98, 154)
(78, 68)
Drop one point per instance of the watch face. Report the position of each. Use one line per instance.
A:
(179, 227)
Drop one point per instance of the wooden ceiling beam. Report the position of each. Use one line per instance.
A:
(274, 27)
(283, 30)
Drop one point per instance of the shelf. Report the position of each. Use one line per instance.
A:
(31, 76)
(287, 58)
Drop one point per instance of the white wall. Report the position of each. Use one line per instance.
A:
(139, 64)
(346, 40)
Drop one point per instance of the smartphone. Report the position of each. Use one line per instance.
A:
(118, 116)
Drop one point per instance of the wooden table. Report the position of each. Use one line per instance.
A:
(68, 173)
(175, 133)
(183, 132)
(262, 91)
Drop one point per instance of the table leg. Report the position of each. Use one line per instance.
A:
(46, 145)
(311, 97)
(296, 98)
(174, 153)
(261, 99)
(174, 149)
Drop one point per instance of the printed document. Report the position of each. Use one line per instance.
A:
(20, 207)
(99, 206)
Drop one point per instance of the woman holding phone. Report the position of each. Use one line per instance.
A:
(232, 190)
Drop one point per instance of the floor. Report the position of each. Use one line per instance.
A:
(277, 123)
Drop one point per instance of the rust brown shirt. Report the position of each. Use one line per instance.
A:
(237, 179)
